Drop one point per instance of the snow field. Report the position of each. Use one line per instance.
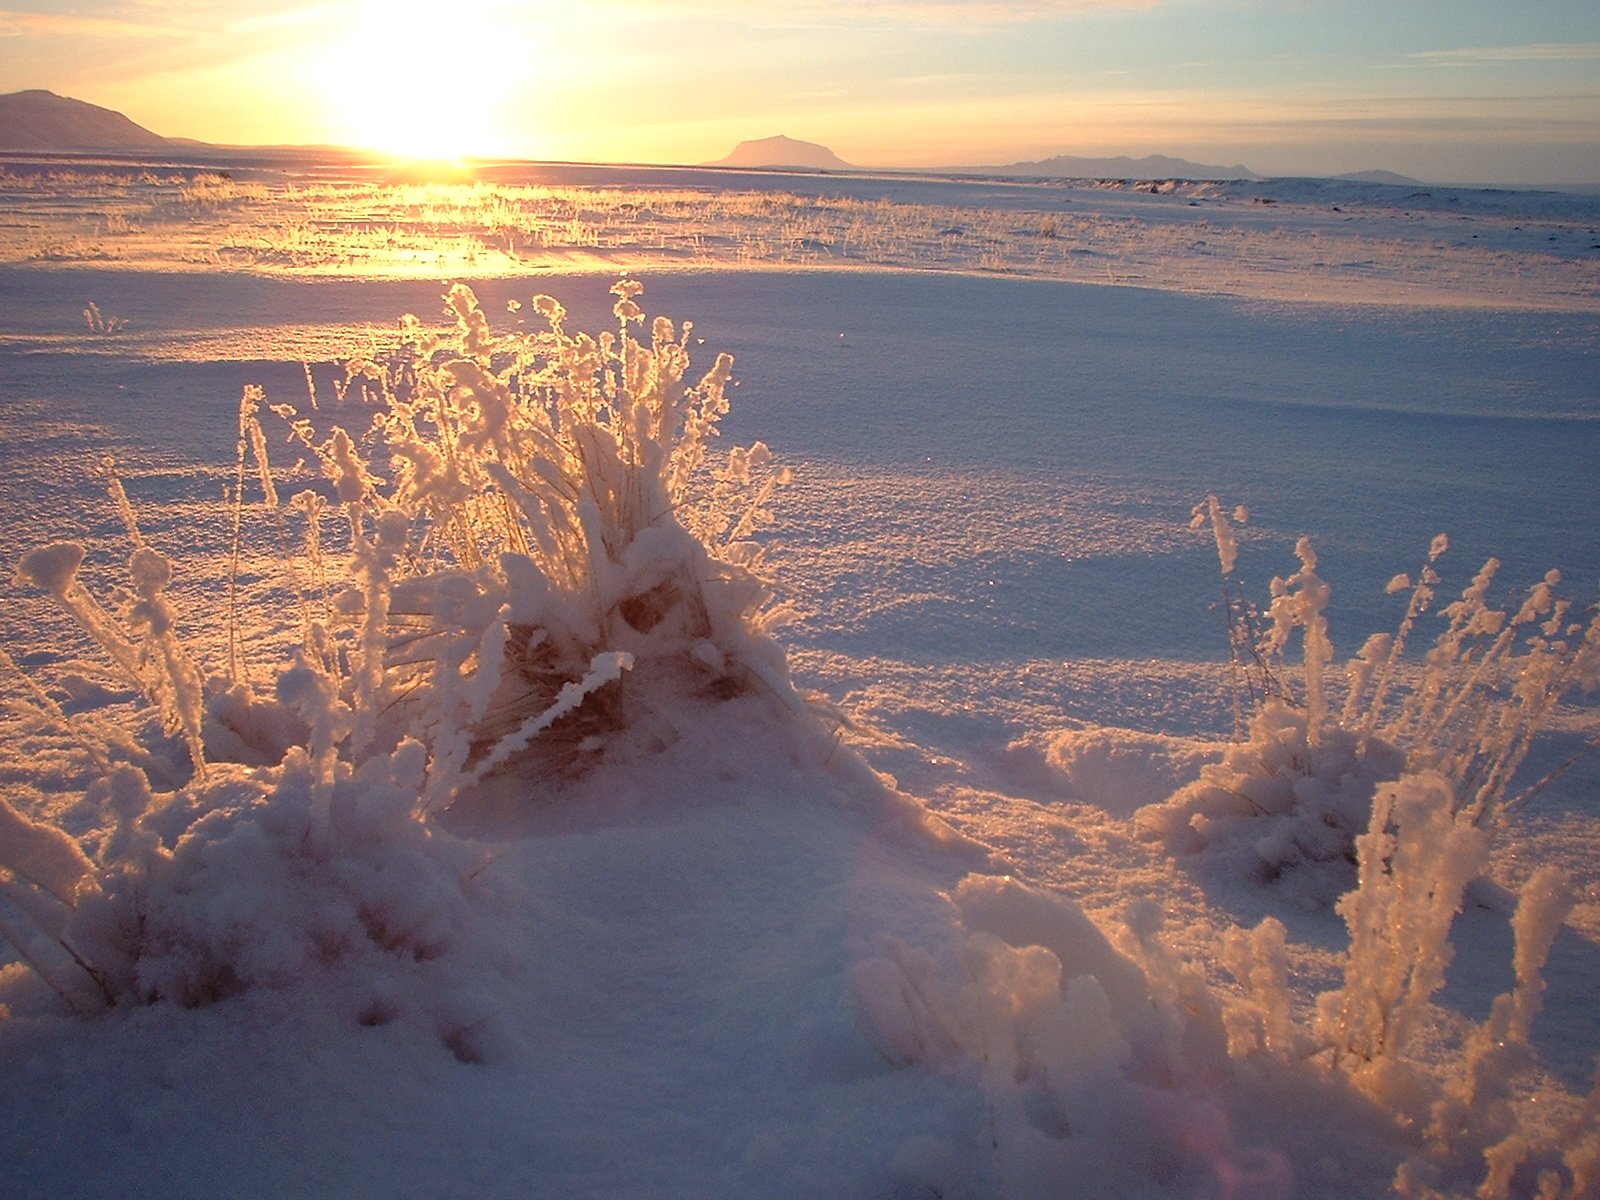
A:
(723, 958)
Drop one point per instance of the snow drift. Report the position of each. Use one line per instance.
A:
(523, 812)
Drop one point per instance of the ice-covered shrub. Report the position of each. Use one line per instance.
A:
(1277, 804)
(539, 518)
(196, 895)
(1408, 780)
(1472, 1136)
(1296, 790)
(1468, 1123)
(541, 563)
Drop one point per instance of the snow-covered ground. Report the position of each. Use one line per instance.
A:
(734, 961)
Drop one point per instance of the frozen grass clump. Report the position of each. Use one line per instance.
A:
(1294, 793)
(525, 561)
(1115, 1064)
(1407, 781)
(196, 895)
(544, 552)
(1277, 807)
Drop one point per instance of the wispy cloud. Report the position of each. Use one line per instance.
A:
(1533, 52)
(280, 19)
(166, 19)
(21, 24)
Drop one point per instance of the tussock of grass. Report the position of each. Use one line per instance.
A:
(542, 561)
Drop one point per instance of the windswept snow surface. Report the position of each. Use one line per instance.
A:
(744, 965)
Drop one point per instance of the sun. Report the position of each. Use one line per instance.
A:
(418, 80)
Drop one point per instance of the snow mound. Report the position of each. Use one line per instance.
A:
(1278, 805)
(1117, 770)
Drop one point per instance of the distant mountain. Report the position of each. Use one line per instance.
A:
(1379, 177)
(40, 120)
(782, 151)
(1152, 166)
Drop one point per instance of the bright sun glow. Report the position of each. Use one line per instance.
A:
(418, 80)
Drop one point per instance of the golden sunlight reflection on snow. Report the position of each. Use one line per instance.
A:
(417, 82)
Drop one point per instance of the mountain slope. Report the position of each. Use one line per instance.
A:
(1152, 166)
(781, 151)
(41, 120)
(1377, 176)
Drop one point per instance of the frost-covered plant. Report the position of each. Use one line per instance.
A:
(1278, 806)
(1472, 1127)
(1297, 790)
(143, 645)
(1467, 1125)
(1471, 1137)
(1251, 676)
(544, 563)
(1410, 779)
(1416, 860)
(549, 521)
(198, 894)
(100, 322)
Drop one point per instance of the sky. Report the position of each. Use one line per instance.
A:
(1470, 91)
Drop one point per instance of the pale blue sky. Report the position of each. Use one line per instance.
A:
(1468, 90)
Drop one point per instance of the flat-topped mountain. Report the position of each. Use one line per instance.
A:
(41, 120)
(782, 151)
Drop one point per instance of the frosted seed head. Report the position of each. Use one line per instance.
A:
(349, 477)
(1487, 623)
(393, 527)
(1376, 648)
(625, 308)
(150, 570)
(461, 299)
(52, 568)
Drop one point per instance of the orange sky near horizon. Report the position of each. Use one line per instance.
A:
(1459, 90)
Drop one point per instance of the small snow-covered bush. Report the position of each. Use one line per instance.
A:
(1406, 783)
(1295, 791)
(543, 565)
(541, 516)
(195, 895)
(1278, 805)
